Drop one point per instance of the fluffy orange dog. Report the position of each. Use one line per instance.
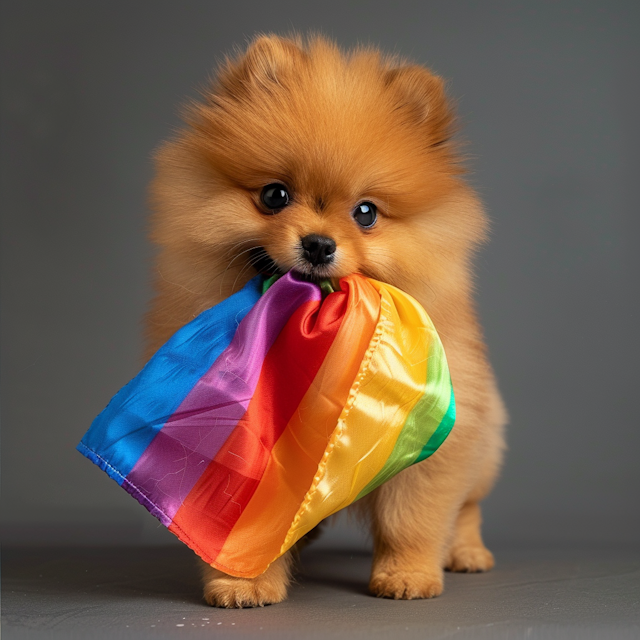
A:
(303, 157)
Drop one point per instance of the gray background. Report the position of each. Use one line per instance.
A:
(548, 94)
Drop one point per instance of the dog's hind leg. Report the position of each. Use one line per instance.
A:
(468, 552)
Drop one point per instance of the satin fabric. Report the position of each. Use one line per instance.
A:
(274, 410)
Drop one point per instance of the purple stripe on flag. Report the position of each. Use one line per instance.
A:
(181, 451)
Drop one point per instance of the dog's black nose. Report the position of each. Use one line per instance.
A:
(318, 249)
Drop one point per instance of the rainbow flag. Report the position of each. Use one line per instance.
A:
(273, 410)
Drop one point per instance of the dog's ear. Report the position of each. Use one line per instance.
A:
(270, 57)
(268, 61)
(421, 95)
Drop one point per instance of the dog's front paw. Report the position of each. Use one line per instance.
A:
(470, 559)
(222, 590)
(227, 591)
(406, 585)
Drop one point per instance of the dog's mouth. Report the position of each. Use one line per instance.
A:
(264, 264)
(313, 273)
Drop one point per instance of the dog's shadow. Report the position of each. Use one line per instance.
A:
(164, 572)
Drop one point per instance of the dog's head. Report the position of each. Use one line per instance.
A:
(302, 157)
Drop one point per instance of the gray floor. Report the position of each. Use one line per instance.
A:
(153, 592)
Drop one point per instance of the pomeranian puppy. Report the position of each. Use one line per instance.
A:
(303, 157)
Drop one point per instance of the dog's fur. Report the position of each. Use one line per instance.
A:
(338, 129)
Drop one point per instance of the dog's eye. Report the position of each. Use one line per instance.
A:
(365, 214)
(275, 197)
